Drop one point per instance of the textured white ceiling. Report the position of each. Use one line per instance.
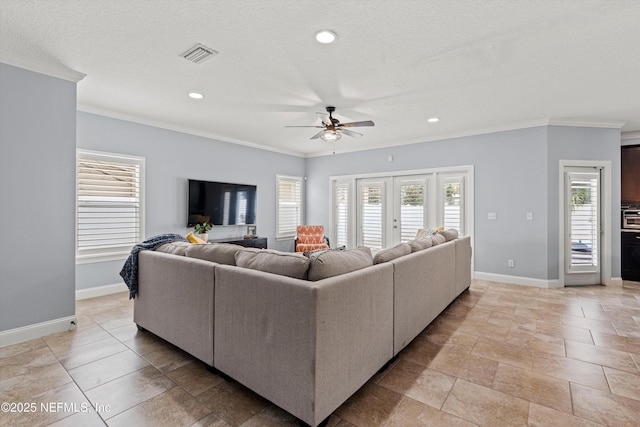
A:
(478, 65)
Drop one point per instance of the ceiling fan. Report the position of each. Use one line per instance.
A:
(333, 129)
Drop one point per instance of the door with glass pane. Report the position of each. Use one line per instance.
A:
(451, 188)
(372, 213)
(410, 207)
(582, 212)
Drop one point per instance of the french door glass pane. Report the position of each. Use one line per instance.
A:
(371, 215)
(342, 213)
(451, 191)
(411, 210)
(584, 220)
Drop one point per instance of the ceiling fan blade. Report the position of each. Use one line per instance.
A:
(319, 127)
(357, 124)
(351, 133)
(317, 135)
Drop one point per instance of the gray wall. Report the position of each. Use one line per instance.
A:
(515, 172)
(574, 143)
(171, 159)
(37, 192)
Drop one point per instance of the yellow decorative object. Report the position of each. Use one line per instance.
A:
(195, 240)
(439, 228)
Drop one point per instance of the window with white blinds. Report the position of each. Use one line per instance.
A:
(412, 208)
(452, 189)
(109, 207)
(342, 212)
(288, 206)
(372, 227)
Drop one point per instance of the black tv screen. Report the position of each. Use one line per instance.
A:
(221, 203)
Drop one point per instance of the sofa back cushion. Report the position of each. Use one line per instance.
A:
(424, 242)
(271, 261)
(329, 263)
(438, 239)
(450, 234)
(391, 253)
(220, 253)
(174, 248)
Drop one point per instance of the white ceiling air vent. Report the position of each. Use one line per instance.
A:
(198, 53)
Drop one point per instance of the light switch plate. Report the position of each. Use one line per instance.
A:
(529, 216)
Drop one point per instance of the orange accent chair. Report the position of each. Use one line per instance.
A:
(311, 238)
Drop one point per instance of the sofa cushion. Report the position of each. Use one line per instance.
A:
(220, 253)
(324, 264)
(391, 253)
(272, 261)
(450, 234)
(175, 248)
(424, 242)
(438, 239)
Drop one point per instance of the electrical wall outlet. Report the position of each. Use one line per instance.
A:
(511, 263)
(492, 215)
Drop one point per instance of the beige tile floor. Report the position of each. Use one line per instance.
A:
(499, 355)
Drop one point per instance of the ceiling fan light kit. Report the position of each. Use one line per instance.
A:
(330, 135)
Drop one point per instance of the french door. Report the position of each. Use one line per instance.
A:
(582, 225)
(380, 211)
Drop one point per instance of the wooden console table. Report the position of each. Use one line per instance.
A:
(258, 242)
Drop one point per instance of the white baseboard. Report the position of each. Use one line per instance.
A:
(517, 280)
(614, 282)
(30, 332)
(99, 291)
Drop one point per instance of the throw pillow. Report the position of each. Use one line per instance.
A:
(290, 264)
(195, 240)
(386, 255)
(220, 253)
(331, 263)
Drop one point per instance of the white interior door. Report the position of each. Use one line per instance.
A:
(582, 226)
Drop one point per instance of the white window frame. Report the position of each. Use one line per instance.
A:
(110, 253)
(291, 232)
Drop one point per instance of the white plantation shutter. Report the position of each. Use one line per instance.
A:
(371, 214)
(584, 221)
(342, 194)
(412, 209)
(288, 206)
(452, 190)
(109, 217)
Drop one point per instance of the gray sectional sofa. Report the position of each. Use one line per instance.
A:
(303, 332)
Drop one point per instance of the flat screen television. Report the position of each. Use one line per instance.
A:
(221, 203)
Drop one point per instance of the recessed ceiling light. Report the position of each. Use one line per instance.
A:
(326, 36)
(196, 95)
(433, 120)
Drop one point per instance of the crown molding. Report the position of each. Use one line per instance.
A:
(182, 129)
(630, 135)
(586, 124)
(52, 70)
(481, 131)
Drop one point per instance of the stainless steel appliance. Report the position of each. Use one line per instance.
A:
(631, 242)
(631, 219)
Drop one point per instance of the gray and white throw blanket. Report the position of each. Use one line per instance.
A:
(130, 269)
